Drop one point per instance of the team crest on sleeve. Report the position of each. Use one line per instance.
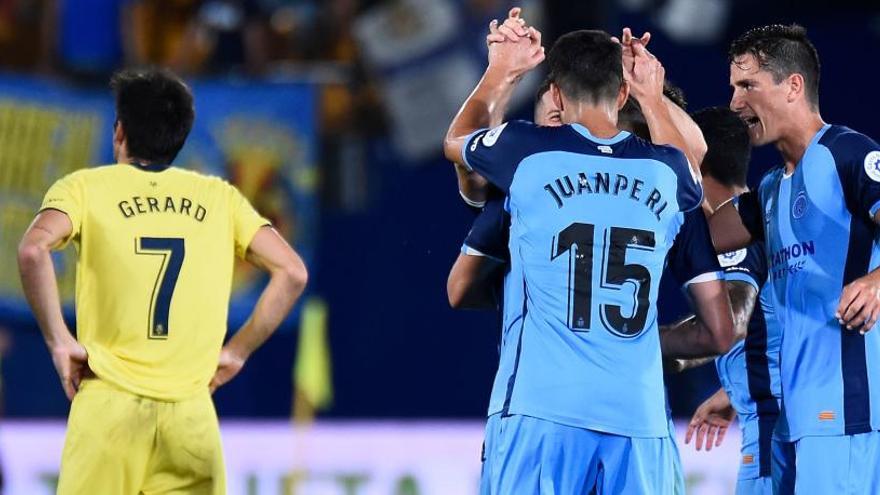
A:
(800, 205)
(492, 136)
(872, 165)
(732, 258)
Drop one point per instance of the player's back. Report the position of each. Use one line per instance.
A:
(592, 222)
(156, 252)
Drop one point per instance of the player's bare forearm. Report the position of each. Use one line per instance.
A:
(473, 186)
(665, 129)
(508, 62)
(690, 132)
(677, 365)
(274, 303)
(727, 229)
(37, 273)
(287, 280)
(493, 90)
(710, 333)
(47, 232)
(742, 303)
(471, 282)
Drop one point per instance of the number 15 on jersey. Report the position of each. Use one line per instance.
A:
(577, 240)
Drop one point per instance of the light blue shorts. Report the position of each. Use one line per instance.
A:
(840, 465)
(525, 455)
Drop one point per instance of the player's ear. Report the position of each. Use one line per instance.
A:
(118, 133)
(795, 87)
(556, 94)
(622, 95)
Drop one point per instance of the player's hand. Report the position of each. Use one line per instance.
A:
(626, 40)
(513, 29)
(646, 75)
(859, 306)
(710, 421)
(70, 359)
(515, 58)
(228, 366)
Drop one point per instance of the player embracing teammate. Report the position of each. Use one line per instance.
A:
(594, 211)
(579, 342)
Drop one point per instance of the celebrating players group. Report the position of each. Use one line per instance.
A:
(581, 211)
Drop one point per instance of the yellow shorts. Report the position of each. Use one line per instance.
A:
(125, 444)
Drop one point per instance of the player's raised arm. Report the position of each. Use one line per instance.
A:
(287, 280)
(693, 262)
(50, 230)
(690, 132)
(471, 185)
(508, 61)
(689, 138)
(645, 76)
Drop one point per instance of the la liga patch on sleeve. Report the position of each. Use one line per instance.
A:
(872, 165)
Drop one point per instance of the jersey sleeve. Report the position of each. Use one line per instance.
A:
(857, 158)
(689, 191)
(748, 205)
(745, 265)
(489, 233)
(692, 258)
(67, 195)
(496, 153)
(246, 222)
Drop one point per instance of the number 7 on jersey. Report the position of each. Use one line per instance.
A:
(172, 250)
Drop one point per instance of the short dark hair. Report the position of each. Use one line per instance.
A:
(727, 139)
(155, 108)
(587, 65)
(782, 51)
(631, 115)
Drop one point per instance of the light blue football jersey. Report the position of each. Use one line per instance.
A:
(592, 221)
(819, 235)
(749, 372)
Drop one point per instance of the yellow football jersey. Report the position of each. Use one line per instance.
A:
(154, 273)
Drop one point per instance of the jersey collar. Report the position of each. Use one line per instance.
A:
(586, 133)
(150, 167)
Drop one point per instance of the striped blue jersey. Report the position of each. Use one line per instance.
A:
(592, 221)
(749, 372)
(818, 229)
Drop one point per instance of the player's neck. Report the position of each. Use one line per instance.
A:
(123, 157)
(717, 193)
(599, 120)
(793, 144)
